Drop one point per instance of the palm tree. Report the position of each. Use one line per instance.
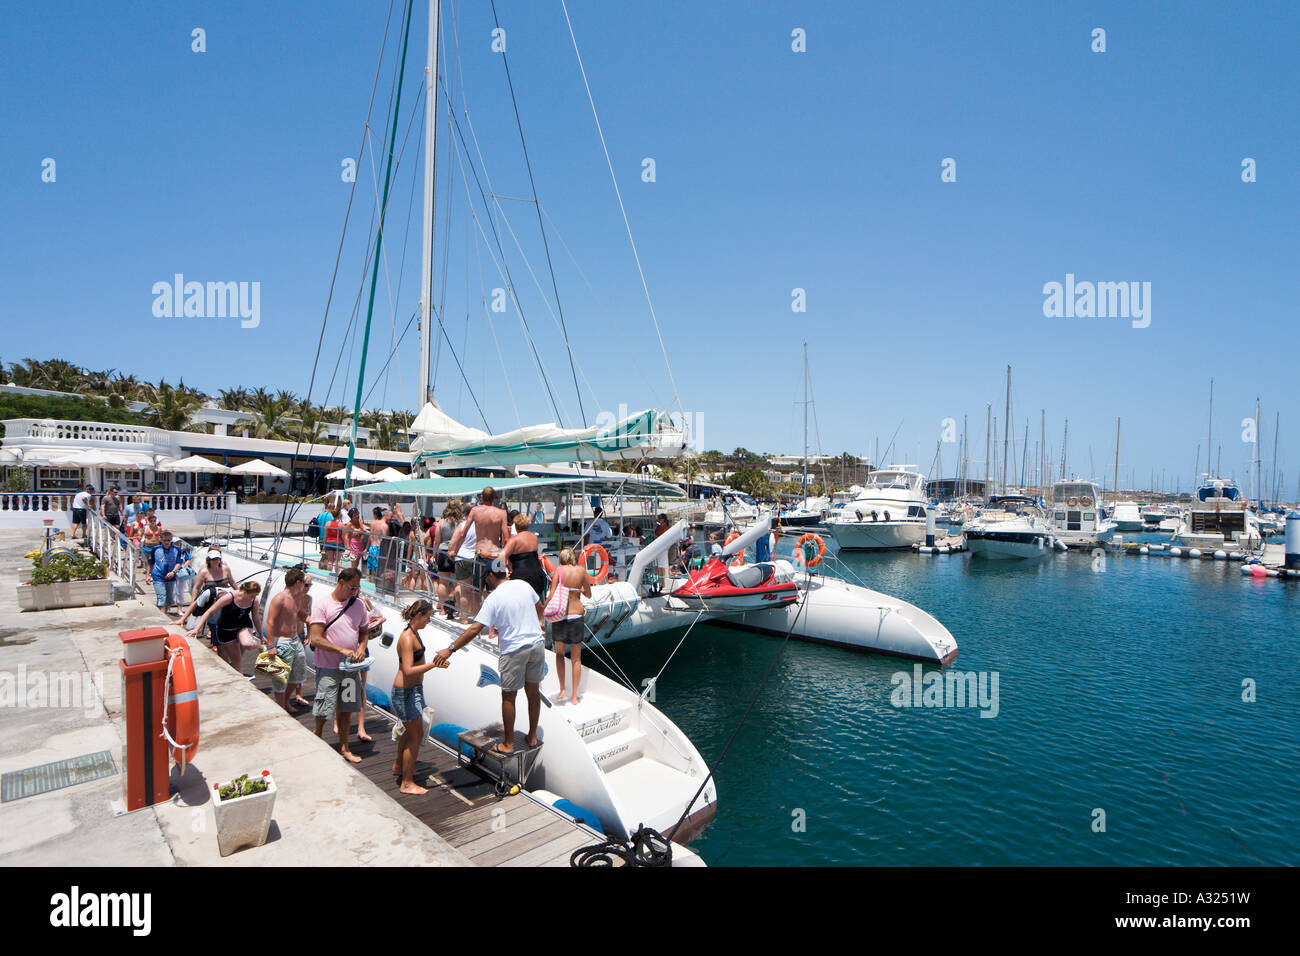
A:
(233, 399)
(172, 409)
(270, 418)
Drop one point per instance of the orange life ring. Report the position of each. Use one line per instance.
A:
(821, 549)
(600, 551)
(739, 557)
(182, 705)
(546, 563)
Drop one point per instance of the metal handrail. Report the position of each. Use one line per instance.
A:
(111, 546)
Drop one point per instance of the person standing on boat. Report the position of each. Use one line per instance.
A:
(491, 530)
(599, 530)
(323, 520)
(515, 610)
(408, 692)
(442, 564)
(520, 554)
(337, 629)
(378, 530)
(238, 623)
(356, 539)
(571, 633)
(286, 616)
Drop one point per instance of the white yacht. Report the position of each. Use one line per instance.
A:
(732, 510)
(1010, 529)
(1218, 518)
(1074, 513)
(1127, 516)
(888, 513)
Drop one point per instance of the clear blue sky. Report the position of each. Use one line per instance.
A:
(775, 170)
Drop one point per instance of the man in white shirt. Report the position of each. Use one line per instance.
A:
(81, 503)
(599, 529)
(514, 609)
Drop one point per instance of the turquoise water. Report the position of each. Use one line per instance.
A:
(1120, 688)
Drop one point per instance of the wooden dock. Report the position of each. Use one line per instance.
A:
(461, 806)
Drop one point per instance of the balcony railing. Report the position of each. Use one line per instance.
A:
(60, 430)
(62, 501)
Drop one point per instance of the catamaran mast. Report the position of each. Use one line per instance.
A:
(1209, 433)
(804, 504)
(430, 156)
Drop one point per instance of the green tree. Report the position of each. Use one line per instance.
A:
(172, 409)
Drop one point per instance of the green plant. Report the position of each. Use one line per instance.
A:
(68, 567)
(20, 479)
(242, 787)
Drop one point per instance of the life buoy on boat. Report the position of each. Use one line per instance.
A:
(181, 702)
(603, 555)
(1085, 501)
(1073, 502)
(821, 549)
(546, 564)
(736, 559)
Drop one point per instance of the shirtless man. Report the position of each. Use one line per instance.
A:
(491, 532)
(378, 529)
(285, 619)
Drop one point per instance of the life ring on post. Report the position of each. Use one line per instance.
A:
(736, 559)
(821, 549)
(603, 555)
(181, 702)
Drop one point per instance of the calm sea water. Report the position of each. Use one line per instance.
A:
(1120, 689)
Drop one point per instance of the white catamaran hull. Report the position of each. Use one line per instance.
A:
(835, 612)
(614, 753)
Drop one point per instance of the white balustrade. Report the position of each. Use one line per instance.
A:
(65, 430)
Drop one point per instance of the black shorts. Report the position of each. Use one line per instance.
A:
(78, 515)
(572, 630)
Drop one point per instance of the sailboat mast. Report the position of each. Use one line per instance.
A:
(1042, 457)
(430, 156)
(1277, 423)
(805, 426)
(1209, 432)
(1006, 432)
(1259, 485)
(988, 430)
(1116, 488)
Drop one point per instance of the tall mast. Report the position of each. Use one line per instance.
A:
(1116, 488)
(965, 455)
(1065, 443)
(1259, 485)
(1277, 423)
(805, 426)
(1042, 458)
(1209, 432)
(1006, 432)
(988, 431)
(430, 157)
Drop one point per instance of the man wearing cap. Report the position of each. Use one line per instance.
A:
(514, 609)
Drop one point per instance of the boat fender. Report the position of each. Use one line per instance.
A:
(1175, 552)
(886, 515)
(924, 549)
(449, 735)
(1144, 550)
(1194, 553)
(874, 516)
(1220, 555)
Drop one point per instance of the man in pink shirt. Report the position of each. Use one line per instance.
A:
(337, 630)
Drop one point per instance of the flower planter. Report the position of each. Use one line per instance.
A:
(243, 821)
(45, 597)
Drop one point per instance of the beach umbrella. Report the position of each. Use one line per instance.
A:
(195, 463)
(259, 469)
(8, 457)
(389, 474)
(358, 474)
(101, 458)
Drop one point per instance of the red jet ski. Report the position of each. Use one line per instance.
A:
(749, 587)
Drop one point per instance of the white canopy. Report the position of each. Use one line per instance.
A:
(386, 474)
(261, 469)
(8, 457)
(104, 458)
(195, 463)
(358, 474)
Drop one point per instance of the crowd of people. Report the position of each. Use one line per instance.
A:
(481, 564)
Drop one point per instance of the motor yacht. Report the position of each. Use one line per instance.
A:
(890, 512)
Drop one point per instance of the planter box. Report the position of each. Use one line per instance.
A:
(243, 821)
(45, 597)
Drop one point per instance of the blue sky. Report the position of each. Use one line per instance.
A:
(775, 170)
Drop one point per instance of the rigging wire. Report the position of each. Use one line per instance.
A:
(627, 225)
(541, 226)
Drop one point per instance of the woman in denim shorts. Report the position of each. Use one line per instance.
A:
(408, 692)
